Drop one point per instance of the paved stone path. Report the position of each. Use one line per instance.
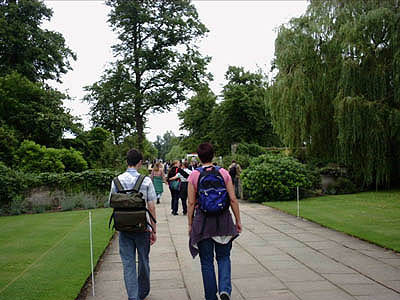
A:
(277, 257)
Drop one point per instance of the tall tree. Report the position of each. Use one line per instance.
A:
(158, 48)
(337, 85)
(33, 111)
(111, 107)
(196, 119)
(243, 115)
(36, 53)
(165, 143)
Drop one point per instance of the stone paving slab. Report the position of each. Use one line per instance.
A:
(277, 257)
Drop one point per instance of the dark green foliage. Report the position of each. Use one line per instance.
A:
(87, 181)
(252, 150)
(33, 111)
(111, 107)
(337, 86)
(97, 147)
(149, 152)
(25, 47)
(243, 115)
(196, 119)
(13, 183)
(275, 178)
(342, 185)
(8, 145)
(72, 160)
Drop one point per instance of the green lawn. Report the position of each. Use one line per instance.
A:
(47, 256)
(372, 216)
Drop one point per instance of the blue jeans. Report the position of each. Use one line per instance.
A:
(223, 252)
(137, 285)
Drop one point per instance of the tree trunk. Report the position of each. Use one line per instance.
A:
(140, 130)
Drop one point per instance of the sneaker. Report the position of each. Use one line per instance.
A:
(224, 296)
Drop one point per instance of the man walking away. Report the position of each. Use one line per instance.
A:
(234, 171)
(131, 243)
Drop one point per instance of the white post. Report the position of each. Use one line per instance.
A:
(91, 250)
(298, 202)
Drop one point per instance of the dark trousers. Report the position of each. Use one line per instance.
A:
(183, 195)
(174, 200)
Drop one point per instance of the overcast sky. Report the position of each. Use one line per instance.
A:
(242, 33)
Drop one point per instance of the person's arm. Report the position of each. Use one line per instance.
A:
(190, 205)
(152, 209)
(234, 205)
(183, 173)
(239, 169)
(151, 199)
(164, 179)
(112, 190)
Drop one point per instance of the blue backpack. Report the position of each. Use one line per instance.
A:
(212, 195)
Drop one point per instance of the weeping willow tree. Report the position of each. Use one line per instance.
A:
(337, 82)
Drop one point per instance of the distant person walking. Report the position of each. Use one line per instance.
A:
(212, 233)
(158, 178)
(193, 165)
(174, 180)
(137, 283)
(184, 186)
(234, 172)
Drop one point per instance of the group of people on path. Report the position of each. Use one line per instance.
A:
(210, 234)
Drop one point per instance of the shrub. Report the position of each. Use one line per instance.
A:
(13, 183)
(8, 145)
(40, 208)
(334, 171)
(68, 203)
(34, 158)
(17, 206)
(252, 150)
(275, 178)
(73, 160)
(341, 185)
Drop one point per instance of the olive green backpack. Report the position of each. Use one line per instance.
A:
(129, 208)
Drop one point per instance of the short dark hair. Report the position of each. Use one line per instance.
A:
(133, 157)
(205, 152)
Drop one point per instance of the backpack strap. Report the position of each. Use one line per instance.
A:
(120, 188)
(138, 183)
(111, 219)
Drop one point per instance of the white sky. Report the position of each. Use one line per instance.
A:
(242, 33)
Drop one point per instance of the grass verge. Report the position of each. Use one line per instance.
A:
(47, 256)
(371, 216)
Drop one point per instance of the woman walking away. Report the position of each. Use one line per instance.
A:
(211, 228)
(158, 177)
